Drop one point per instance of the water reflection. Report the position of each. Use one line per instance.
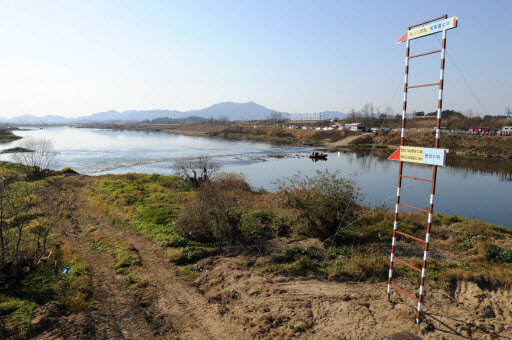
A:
(498, 167)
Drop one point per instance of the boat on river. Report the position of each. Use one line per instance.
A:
(317, 155)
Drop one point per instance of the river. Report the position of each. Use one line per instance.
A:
(473, 188)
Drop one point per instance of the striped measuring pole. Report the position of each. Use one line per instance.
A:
(402, 141)
(434, 178)
(419, 155)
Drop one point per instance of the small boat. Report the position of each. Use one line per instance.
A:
(318, 156)
(307, 144)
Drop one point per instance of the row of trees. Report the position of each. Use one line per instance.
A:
(369, 110)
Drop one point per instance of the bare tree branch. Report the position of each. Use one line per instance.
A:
(40, 159)
(196, 170)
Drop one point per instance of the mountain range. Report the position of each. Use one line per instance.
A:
(225, 110)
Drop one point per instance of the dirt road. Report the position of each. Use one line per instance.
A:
(167, 308)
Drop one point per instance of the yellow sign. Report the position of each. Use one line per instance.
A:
(417, 32)
(420, 155)
(411, 154)
(431, 28)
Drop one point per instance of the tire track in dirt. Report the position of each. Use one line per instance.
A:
(167, 308)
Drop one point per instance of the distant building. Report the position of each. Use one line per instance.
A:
(306, 116)
(509, 115)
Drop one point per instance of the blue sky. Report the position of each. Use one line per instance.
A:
(76, 58)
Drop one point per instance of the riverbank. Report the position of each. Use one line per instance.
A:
(461, 144)
(466, 145)
(6, 135)
(268, 276)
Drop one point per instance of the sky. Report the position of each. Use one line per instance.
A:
(74, 58)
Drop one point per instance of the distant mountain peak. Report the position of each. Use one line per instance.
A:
(229, 110)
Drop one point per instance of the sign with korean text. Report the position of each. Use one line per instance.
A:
(420, 155)
(430, 28)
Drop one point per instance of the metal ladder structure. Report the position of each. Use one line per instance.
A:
(437, 25)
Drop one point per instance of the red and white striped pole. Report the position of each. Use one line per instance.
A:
(402, 141)
(434, 177)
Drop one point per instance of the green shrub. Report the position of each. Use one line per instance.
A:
(500, 255)
(215, 212)
(470, 241)
(324, 202)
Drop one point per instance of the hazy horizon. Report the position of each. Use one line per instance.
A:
(72, 59)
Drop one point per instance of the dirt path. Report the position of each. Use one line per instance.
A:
(167, 309)
(343, 143)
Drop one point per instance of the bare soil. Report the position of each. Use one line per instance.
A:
(229, 301)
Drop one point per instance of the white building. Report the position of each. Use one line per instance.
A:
(305, 116)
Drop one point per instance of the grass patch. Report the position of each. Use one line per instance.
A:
(16, 314)
(191, 272)
(148, 204)
(75, 294)
(361, 265)
(190, 254)
(123, 260)
(136, 282)
(67, 170)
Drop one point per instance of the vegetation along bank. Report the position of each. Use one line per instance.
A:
(203, 253)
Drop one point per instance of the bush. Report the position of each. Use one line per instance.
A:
(323, 202)
(215, 213)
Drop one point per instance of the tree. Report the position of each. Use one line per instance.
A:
(470, 113)
(389, 111)
(353, 113)
(277, 116)
(196, 169)
(368, 109)
(39, 156)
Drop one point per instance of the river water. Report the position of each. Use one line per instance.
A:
(473, 188)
